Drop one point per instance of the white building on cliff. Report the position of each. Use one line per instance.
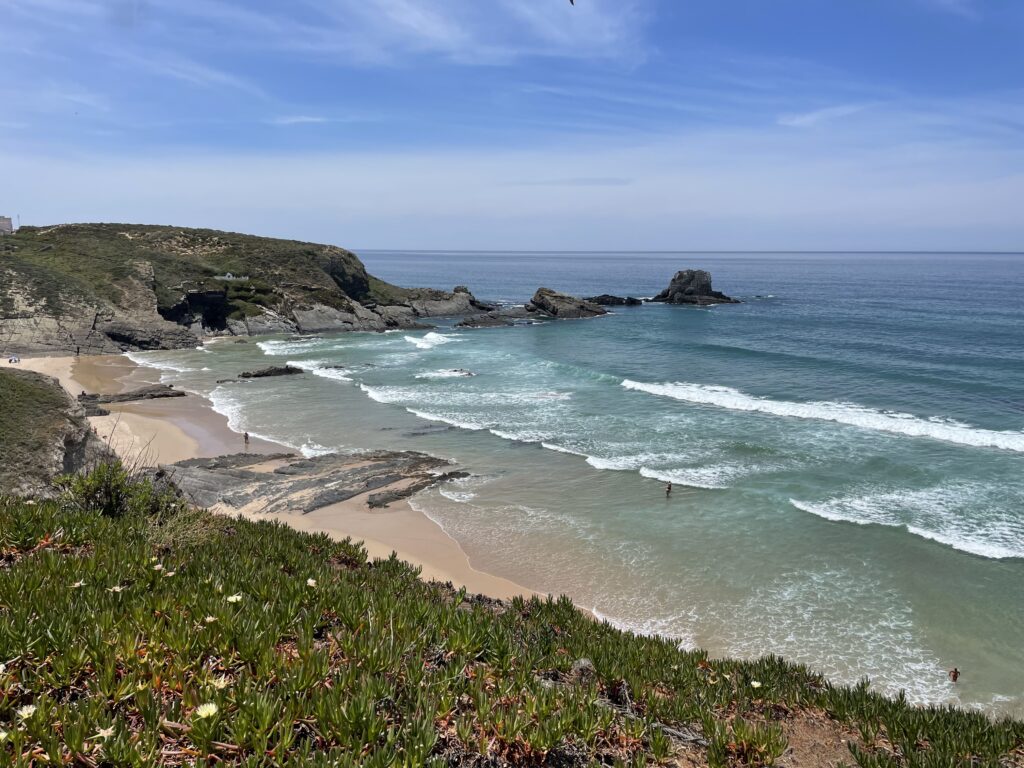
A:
(6, 225)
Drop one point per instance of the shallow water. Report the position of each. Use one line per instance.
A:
(846, 447)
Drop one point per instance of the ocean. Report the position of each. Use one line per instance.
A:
(846, 447)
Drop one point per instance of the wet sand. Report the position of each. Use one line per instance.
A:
(166, 431)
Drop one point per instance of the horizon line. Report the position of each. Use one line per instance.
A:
(693, 252)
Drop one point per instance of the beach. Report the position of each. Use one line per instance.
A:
(170, 430)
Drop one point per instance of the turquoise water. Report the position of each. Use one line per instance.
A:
(846, 448)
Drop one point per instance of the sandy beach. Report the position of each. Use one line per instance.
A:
(166, 431)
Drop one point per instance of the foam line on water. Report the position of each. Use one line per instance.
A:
(936, 514)
(850, 414)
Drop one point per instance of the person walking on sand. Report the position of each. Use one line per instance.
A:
(668, 490)
(954, 674)
(246, 438)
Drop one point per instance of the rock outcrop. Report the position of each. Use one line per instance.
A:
(693, 286)
(292, 484)
(563, 306)
(607, 300)
(274, 370)
(92, 403)
(43, 433)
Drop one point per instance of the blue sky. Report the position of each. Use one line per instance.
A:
(523, 124)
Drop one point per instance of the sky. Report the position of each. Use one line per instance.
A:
(523, 124)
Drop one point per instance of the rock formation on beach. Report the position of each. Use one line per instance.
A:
(693, 286)
(93, 402)
(290, 483)
(107, 288)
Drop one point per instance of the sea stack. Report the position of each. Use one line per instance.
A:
(693, 286)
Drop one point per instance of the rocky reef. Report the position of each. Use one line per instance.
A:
(607, 300)
(693, 286)
(546, 304)
(93, 403)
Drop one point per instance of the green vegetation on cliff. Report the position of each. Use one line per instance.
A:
(32, 419)
(98, 263)
(135, 630)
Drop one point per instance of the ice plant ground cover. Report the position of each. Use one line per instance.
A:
(137, 631)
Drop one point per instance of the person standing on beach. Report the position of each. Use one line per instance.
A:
(668, 489)
(246, 438)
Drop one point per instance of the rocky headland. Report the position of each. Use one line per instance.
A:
(108, 288)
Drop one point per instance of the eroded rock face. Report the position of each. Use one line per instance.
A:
(693, 286)
(563, 306)
(52, 438)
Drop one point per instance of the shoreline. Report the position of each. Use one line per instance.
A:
(167, 431)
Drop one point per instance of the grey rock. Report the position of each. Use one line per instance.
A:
(564, 306)
(274, 370)
(92, 403)
(607, 300)
(693, 286)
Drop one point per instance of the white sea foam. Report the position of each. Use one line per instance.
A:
(431, 340)
(460, 423)
(851, 414)
(310, 449)
(445, 374)
(711, 478)
(938, 514)
(562, 449)
(159, 362)
(279, 348)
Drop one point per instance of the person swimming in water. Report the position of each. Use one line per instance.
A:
(954, 674)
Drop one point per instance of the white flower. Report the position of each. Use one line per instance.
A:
(236, 598)
(104, 733)
(115, 588)
(31, 502)
(158, 567)
(311, 583)
(210, 619)
(221, 682)
(77, 584)
(3, 735)
(204, 710)
(755, 683)
(169, 574)
(24, 713)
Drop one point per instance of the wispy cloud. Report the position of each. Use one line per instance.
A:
(966, 8)
(298, 120)
(818, 116)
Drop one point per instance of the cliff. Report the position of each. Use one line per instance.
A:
(43, 433)
(98, 288)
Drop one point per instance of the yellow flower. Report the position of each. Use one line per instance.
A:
(204, 711)
(236, 598)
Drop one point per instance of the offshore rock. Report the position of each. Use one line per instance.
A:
(693, 286)
(563, 306)
(274, 370)
(607, 300)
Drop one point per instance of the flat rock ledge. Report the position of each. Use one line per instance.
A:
(93, 403)
(290, 483)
